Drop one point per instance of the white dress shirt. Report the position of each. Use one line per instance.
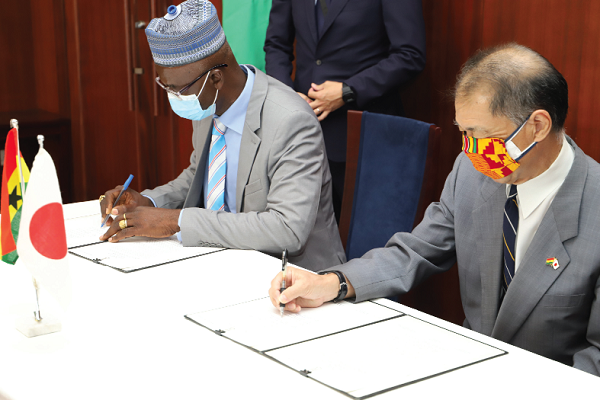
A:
(535, 196)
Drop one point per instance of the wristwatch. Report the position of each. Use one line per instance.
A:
(347, 93)
(343, 285)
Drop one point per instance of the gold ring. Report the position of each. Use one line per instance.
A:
(101, 198)
(123, 224)
(318, 109)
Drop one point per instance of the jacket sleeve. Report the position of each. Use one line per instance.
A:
(295, 170)
(409, 258)
(173, 194)
(588, 359)
(279, 43)
(405, 28)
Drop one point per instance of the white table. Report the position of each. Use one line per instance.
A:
(125, 337)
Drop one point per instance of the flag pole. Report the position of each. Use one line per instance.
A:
(15, 124)
(37, 314)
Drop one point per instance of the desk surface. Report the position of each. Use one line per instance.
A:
(125, 337)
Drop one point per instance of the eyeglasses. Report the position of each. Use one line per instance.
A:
(186, 87)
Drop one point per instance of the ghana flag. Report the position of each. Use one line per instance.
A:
(12, 199)
(245, 24)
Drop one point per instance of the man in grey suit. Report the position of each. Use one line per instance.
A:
(258, 176)
(519, 213)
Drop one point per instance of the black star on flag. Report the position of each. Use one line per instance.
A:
(14, 198)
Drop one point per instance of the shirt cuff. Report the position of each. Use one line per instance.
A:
(151, 199)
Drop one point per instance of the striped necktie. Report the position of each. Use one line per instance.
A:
(509, 234)
(217, 169)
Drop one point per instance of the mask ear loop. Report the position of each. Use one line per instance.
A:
(515, 134)
(202, 89)
(518, 129)
(526, 151)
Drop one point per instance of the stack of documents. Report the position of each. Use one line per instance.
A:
(360, 350)
(82, 226)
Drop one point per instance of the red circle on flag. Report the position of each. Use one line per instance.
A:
(47, 231)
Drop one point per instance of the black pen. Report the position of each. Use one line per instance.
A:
(283, 268)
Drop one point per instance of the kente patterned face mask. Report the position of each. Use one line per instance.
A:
(493, 157)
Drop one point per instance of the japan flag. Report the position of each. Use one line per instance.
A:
(42, 242)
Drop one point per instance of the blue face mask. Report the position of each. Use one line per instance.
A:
(189, 107)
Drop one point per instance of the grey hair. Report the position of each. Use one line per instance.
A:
(520, 80)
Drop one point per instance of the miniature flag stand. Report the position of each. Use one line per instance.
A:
(34, 220)
(36, 325)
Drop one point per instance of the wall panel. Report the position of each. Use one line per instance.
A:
(567, 32)
(583, 98)
(105, 145)
(121, 122)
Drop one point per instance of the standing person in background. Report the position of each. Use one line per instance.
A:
(350, 55)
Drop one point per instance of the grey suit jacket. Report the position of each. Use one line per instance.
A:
(554, 313)
(283, 191)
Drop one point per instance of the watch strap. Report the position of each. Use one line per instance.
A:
(343, 284)
(347, 93)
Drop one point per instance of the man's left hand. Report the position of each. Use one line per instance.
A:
(328, 98)
(143, 221)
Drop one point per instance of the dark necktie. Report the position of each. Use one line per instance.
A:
(509, 234)
(321, 11)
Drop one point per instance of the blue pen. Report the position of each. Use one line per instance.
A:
(125, 186)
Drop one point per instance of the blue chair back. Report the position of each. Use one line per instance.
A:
(389, 175)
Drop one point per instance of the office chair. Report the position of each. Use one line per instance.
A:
(390, 178)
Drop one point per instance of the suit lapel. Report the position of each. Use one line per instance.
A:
(202, 145)
(534, 277)
(488, 211)
(310, 18)
(250, 139)
(334, 10)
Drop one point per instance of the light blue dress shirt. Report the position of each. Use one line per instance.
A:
(234, 119)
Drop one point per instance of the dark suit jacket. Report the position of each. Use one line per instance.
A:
(373, 46)
(551, 312)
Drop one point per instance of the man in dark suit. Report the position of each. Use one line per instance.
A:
(350, 55)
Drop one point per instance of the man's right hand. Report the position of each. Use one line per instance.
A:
(305, 289)
(128, 202)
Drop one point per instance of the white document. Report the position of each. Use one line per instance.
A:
(82, 223)
(382, 356)
(257, 324)
(84, 230)
(82, 209)
(140, 252)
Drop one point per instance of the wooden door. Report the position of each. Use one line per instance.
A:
(122, 122)
(103, 111)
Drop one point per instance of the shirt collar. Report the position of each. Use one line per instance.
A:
(235, 116)
(533, 192)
